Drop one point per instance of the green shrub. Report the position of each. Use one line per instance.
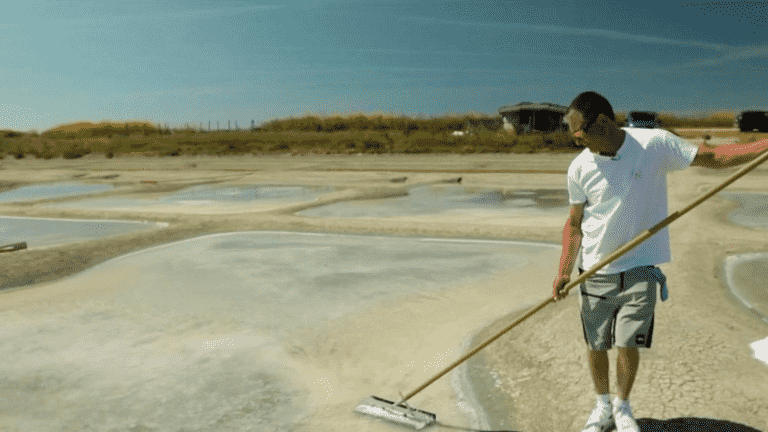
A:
(74, 151)
(415, 143)
(279, 147)
(332, 135)
(48, 151)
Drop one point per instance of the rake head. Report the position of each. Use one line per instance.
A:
(398, 413)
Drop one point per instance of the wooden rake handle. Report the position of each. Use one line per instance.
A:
(607, 260)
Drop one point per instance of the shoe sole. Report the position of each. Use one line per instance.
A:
(605, 428)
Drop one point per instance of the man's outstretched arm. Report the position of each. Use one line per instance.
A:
(728, 155)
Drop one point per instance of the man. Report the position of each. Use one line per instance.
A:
(617, 188)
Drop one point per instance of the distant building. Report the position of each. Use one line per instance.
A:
(527, 117)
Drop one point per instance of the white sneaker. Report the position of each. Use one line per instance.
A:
(622, 414)
(600, 420)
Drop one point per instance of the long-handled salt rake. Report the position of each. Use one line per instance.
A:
(401, 412)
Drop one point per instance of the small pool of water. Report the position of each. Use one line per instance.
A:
(206, 198)
(46, 232)
(746, 275)
(264, 330)
(752, 211)
(448, 199)
(249, 193)
(52, 190)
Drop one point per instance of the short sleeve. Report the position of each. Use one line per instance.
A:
(576, 193)
(677, 153)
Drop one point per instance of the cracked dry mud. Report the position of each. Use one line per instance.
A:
(700, 366)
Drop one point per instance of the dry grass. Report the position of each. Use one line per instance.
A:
(86, 126)
(350, 133)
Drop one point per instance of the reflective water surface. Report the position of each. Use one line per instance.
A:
(269, 193)
(752, 211)
(254, 331)
(446, 199)
(217, 199)
(44, 232)
(746, 275)
(52, 190)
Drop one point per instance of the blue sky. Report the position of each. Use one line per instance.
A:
(180, 62)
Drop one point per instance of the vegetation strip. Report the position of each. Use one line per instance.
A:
(310, 135)
(470, 171)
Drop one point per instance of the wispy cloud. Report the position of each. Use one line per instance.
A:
(538, 55)
(149, 11)
(572, 31)
(208, 13)
(189, 91)
(722, 53)
(736, 54)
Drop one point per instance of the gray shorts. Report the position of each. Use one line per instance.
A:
(617, 309)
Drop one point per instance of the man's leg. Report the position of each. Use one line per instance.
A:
(634, 329)
(598, 364)
(634, 325)
(597, 318)
(601, 418)
(627, 363)
(626, 369)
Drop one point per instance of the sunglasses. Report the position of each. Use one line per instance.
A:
(584, 127)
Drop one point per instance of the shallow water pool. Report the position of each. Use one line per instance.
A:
(251, 193)
(451, 200)
(257, 331)
(746, 275)
(207, 198)
(52, 190)
(752, 211)
(46, 232)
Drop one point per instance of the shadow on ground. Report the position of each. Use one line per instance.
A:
(691, 424)
(688, 424)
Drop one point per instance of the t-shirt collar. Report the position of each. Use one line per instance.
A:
(599, 157)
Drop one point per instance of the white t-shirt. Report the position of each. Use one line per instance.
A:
(626, 195)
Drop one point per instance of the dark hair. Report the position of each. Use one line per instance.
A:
(591, 105)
